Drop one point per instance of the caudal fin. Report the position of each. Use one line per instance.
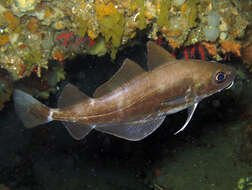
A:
(30, 111)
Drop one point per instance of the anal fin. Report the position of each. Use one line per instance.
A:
(76, 130)
(134, 130)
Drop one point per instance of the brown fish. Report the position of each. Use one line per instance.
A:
(134, 102)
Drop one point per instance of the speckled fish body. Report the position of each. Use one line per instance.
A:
(134, 102)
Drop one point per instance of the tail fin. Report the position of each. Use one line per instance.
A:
(30, 111)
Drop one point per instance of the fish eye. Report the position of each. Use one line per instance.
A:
(220, 77)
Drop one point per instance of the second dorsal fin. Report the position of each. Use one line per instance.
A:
(71, 95)
(128, 70)
(157, 55)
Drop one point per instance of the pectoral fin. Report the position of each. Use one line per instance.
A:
(133, 131)
(190, 112)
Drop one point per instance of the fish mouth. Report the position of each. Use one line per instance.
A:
(224, 88)
(229, 85)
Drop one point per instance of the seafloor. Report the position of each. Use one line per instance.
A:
(213, 153)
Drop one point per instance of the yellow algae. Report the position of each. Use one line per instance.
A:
(133, 35)
(104, 10)
(11, 19)
(133, 7)
(82, 26)
(60, 25)
(157, 6)
(111, 23)
(189, 11)
(141, 17)
(48, 12)
(112, 28)
(163, 15)
(92, 34)
(4, 39)
(82, 5)
(26, 5)
(6, 3)
(184, 8)
(148, 15)
(33, 25)
(114, 21)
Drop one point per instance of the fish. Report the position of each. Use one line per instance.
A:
(197, 51)
(134, 102)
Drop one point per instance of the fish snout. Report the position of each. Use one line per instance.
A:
(231, 74)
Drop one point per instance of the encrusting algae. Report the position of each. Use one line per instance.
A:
(231, 46)
(11, 19)
(4, 39)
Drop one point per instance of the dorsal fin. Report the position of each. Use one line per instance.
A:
(71, 95)
(128, 70)
(157, 55)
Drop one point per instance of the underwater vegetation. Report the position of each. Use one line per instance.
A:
(39, 87)
(33, 32)
(244, 184)
(42, 87)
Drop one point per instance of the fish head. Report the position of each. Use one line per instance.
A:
(212, 77)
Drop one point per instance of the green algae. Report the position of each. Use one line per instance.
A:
(191, 12)
(6, 3)
(55, 75)
(163, 16)
(99, 48)
(142, 22)
(244, 184)
(82, 26)
(33, 56)
(112, 28)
